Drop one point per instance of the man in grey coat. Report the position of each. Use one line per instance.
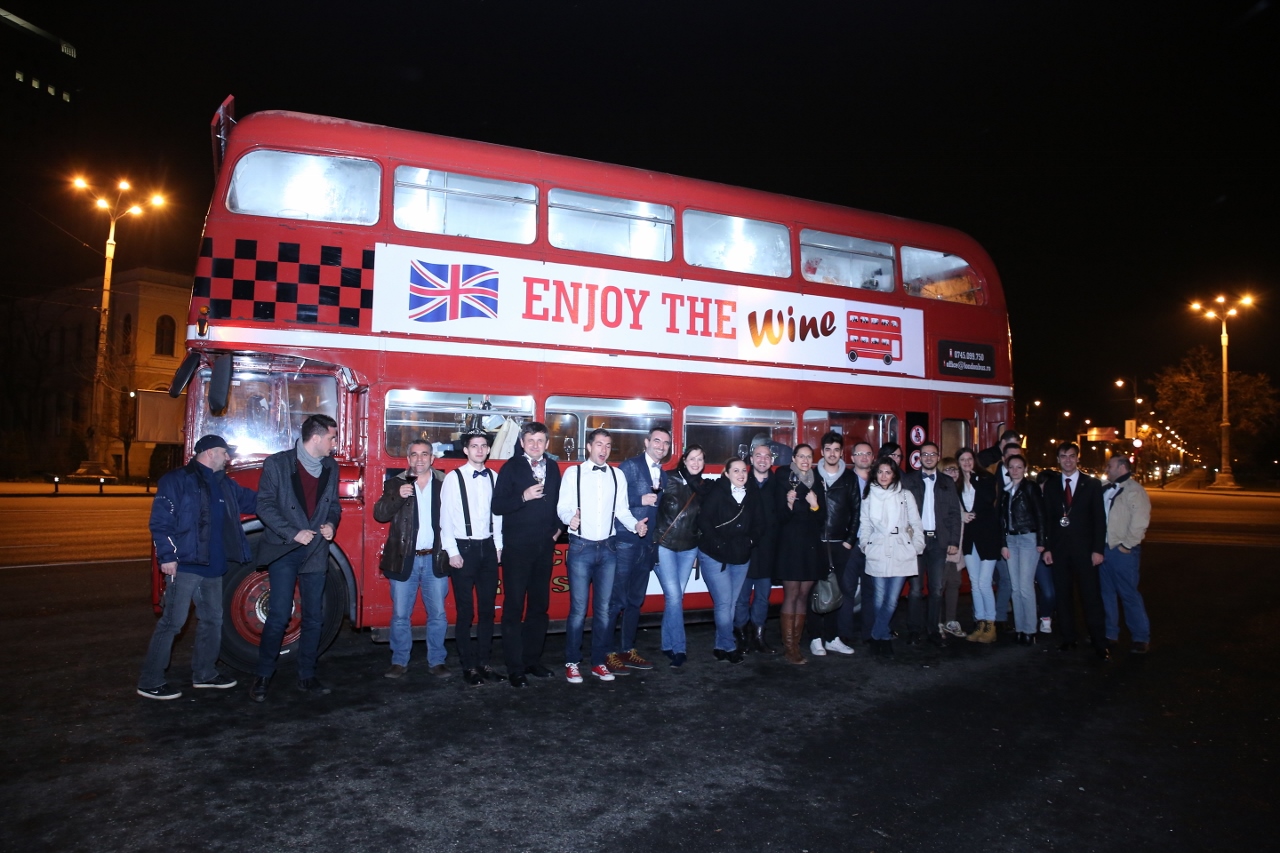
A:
(299, 509)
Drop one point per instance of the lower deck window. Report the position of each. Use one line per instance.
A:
(443, 417)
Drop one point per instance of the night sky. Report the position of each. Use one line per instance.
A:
(1115, 159)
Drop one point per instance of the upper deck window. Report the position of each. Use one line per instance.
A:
(306, 186)
(847, 261)
(610, 226)
(465, 206)
(939, 275)
(736, 244)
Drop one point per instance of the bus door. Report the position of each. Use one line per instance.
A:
(875, 428)
(955, 429)
(995, 417)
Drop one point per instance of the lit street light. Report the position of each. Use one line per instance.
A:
(115, 211)
(1224, 480)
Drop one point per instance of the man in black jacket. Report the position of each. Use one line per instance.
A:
(525, 496)
(1074, 548)
(839, 538)
(939, 504)
(195, 525)
(299, 509)
(752, 607)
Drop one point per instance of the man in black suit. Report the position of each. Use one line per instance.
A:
(525, 496)
(939, 504)
(1074, 547)
(299, 509)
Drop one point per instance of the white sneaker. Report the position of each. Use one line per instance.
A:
(954, 629)
(837, 645)
(572, 673)
(815, 648)
(1046, 625)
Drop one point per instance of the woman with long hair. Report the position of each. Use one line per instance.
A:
(980, 511)
(1023, 523)
(729, 524)
(677, 536)
(891, 536)
(801, 558)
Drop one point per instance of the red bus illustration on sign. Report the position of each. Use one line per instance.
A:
(416, 286)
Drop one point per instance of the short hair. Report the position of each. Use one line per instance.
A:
(800, 447)
(660, 428)
(532, 428)
(759, 439)
(948, 462)
(1123, 460)
(469, 437)
(831, 437)
(421, 441)
(932, 444)
(1008, 434)
(893, 466)
(1019, 457)
(865, 444)
(889, 448)
(317, 425)
(1068, 445)
(597, 433)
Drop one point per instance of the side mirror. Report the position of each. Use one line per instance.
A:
(220, 385)
(184, 373)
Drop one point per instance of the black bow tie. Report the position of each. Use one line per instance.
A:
(599, 467)
(929, 477)
(475, 474)
(1111, 486)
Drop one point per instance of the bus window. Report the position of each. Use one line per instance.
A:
(873, 428)
(846, 261)
(266, 409)
(955, 435)
(289, 185)
(736, 244)
(610, 226)
(442, 417)
(938, 275)
(465, 206)
(727, 431)
(570, 419)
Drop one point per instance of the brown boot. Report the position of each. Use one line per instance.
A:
(988, 636)
(979, 631)
(793, 624)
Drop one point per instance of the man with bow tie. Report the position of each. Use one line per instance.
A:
(471, 536)
(637, 556)
(1128, 510)
(939, 505)
(1074, 546)
(593, 498)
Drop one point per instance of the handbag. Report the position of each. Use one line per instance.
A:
(826, 596)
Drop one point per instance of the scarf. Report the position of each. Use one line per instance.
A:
(885, 505)
(311, 464)
(806, 477)
(829, 478)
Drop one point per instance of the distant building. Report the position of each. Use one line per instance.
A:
(39, 80)
(50, 347)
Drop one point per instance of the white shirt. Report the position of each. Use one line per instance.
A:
(597, 489)
(1070, 478)
(453, 524)
(426, 536)
(927, 521)
(655, 472)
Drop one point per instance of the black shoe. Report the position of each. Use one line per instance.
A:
(473, 677)
(1103, 654)
(937, 640)
(1020, 638)
(490, 675)
(218, 682)
(914, 639)
(1139, 648)
(538, 671)
(313, 685)
(720, 654)
(736, 656)
(678, 659)
(258, 690)
(518, 680)
(1069, 646)
(164, 692)
(757, 643)
(740, 638)
(671, 656)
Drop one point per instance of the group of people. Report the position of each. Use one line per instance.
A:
(868, 525)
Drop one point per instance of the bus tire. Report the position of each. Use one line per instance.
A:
(245, 593)
(853, 356)
(888, 359)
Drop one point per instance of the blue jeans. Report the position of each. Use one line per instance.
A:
(404, 595)
(885, 602)
(674, 569)
(630, 586)
(980, 573)
(1003, 592)
(747, 609)
(1046, 598)
(591, 574)
(724, 581)
(1022, 574)
(1118, 575)
(184, 588)
(283, 575)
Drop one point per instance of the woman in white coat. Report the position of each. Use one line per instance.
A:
(891, 536)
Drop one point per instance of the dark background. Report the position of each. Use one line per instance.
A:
(1115, 159)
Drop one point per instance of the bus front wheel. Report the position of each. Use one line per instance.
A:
(246, 592)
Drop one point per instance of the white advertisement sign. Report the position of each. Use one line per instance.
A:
(487, 297)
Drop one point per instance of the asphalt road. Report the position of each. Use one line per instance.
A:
(972, 748)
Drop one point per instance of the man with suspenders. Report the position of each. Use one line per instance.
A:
(592, 497)
(472, 537)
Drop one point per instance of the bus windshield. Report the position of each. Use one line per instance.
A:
(265, 409)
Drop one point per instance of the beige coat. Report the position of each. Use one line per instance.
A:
(1129, 516)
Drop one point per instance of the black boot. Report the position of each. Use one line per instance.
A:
(740, 639)
(758, 644)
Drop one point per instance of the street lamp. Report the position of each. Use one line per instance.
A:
(116, 210)
(1221, 312)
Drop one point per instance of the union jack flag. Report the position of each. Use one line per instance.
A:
(439, 292)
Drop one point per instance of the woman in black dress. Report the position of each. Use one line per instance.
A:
(801, 559)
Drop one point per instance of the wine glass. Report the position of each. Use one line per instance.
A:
(569, 448)
(742, 452)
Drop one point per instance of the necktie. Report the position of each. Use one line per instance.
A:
(599, 468)
(1066, 492)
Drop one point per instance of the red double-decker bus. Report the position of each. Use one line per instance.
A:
(416, 286)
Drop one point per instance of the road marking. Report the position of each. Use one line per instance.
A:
(78, 563)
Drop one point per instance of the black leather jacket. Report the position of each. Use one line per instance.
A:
(677, 531)
(844, 508)
(1023, 511)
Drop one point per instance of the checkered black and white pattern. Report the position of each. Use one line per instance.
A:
(269, 282)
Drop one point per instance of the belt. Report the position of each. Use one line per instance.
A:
(932, 534)
(424, 552)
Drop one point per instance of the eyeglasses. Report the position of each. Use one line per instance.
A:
(951, 470)
(863, 453)
(928, 455)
